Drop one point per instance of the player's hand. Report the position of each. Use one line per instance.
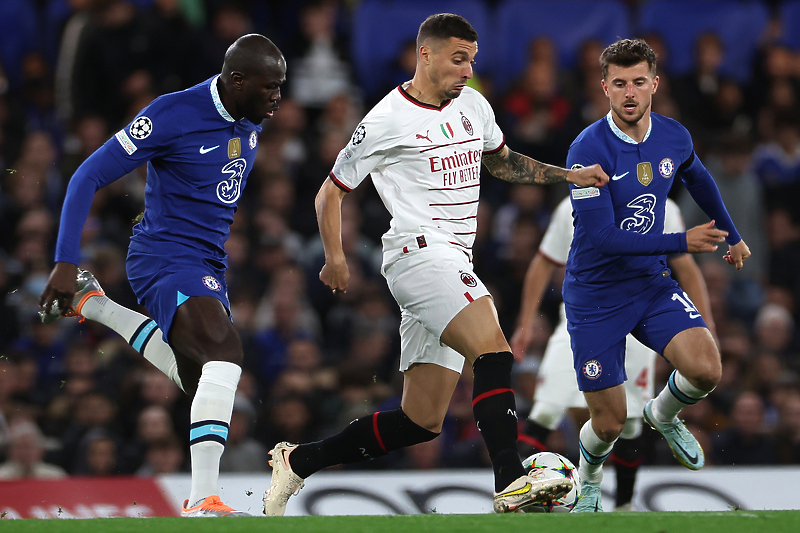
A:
(61, 287)
(704, 238)
(737, 254)
(335, 275)
(520, 341)
(591, 176)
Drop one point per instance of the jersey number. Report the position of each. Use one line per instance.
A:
(644, 218)
(688, 306)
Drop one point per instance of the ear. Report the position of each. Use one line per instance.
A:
(605, 87)
(655, 84)
(424, 55)
(237, 79)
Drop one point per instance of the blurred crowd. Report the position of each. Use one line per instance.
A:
(75, 399)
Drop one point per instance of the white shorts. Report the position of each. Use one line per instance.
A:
(431, 286)
(557, 387)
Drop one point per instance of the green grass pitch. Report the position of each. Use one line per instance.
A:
(716, 522)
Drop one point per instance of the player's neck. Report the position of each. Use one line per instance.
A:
(636, 131)
(227, 100)
(423, 92)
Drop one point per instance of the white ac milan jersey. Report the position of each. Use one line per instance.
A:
(425, 163)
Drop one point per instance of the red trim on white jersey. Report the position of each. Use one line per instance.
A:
(338, 183)
(498, 148)
(422, 104)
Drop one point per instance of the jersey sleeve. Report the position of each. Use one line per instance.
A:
(493, 137)
(363, 153)
(149, 135)
(705, 193)
(152, 133)
(558, 237)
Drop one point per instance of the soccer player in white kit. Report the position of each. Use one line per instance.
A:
(556, 386)
(423, 145)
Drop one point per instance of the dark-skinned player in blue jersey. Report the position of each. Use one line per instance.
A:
(617, 281)
(199, 146)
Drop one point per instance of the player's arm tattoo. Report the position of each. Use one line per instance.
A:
(514, 167)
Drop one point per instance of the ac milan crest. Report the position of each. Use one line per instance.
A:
(468, 279)
(467, 124)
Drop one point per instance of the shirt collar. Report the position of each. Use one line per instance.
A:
(624, 136)
(218, 102)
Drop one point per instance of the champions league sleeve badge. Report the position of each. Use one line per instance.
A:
(359, 135)
(141, 128)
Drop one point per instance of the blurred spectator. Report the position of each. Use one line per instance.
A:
(321, 67)
(242, 452)
(729, 163)
(153, 425)
(163, 456)
(536, 113)
(98, 76)
(787, 441)
(26, 450)
(777, 165)
(99, 456)
(744, 442)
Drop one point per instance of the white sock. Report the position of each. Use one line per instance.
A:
(594, 452)
(140, 332)
(677, 394)
(211, 417)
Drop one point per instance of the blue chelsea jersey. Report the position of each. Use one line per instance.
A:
(198, 159)
(641, 176)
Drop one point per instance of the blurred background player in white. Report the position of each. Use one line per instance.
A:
(556, 385)
(424, 144)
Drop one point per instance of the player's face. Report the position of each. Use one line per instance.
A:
(451, 66)
(630, 90)
(262, 92)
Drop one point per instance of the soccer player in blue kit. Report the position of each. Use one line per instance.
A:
(199, 146)
(617, 281)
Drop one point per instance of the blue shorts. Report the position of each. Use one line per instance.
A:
(597, 334)
(162, 283)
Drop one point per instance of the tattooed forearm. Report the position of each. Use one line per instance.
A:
(517, 168)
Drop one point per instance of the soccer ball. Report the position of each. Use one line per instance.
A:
(552, 466)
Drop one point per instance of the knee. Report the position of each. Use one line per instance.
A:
(609, 431)
(221, 345)
(709, 376)
(429, 421)
(707, 372)
(609, 427)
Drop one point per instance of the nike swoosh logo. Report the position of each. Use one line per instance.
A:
(217, 430)
(691, 459)
(204, 150)
(694, 315)
(615, 177)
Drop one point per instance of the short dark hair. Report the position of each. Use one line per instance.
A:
(445, 25)
(627, 53)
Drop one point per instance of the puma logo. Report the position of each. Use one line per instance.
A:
(419, 136)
